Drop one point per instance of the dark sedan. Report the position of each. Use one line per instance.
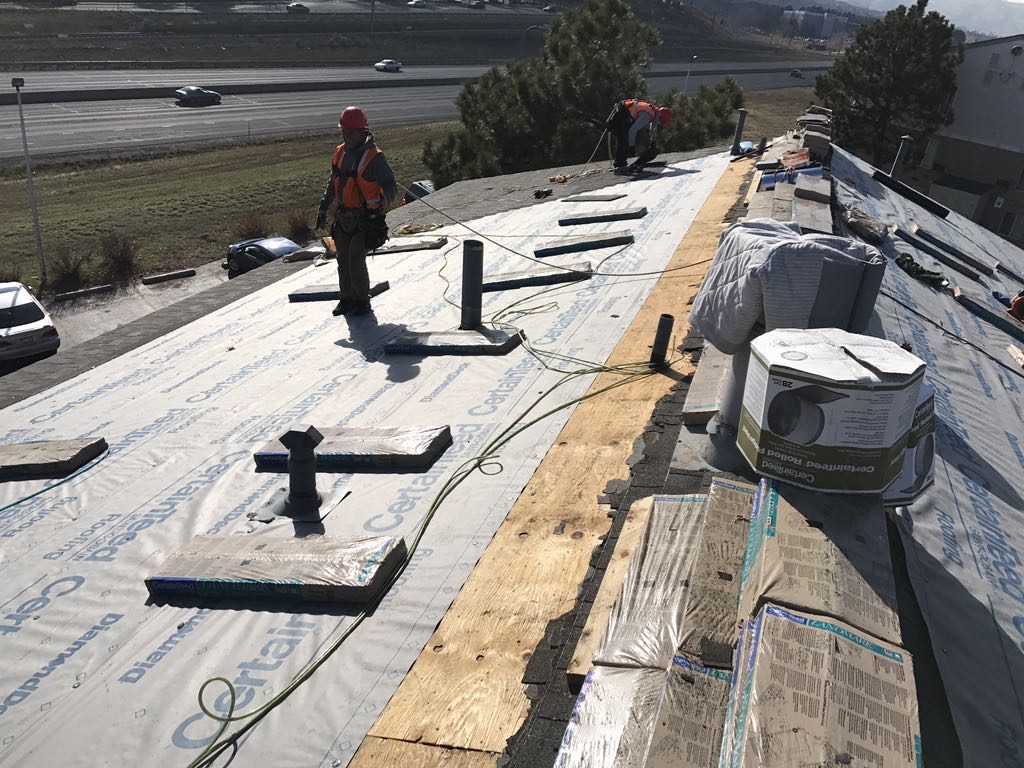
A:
(250, 254)
(194, 96)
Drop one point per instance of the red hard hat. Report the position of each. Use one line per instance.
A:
(664, 115)
(352, 119)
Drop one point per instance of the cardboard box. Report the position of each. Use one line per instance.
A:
(709, 619)
(827, 409)
(691, 716)
(826, 554)
(814, 691)
(645, 625)
(647, 718)
(613, 720)
(918, 473)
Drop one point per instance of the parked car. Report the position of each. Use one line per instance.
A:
(297, 8)
(418, 189)
(798, 74)
(194, 96)
(25, 327)
(388, 65)
(416, 3)
(549, 9)
(476, 4)
(250, 254)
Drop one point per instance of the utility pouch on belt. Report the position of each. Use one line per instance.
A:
(375, 229)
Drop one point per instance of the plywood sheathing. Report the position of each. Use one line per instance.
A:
(465, 690)
(401, 754)
(611, 584)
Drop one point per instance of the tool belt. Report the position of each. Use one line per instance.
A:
(375, 229)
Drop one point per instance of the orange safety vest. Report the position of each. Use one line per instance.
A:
(636, 107)
(357, 190)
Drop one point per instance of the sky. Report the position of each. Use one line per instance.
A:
(995, 17)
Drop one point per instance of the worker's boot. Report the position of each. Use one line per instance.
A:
(343, 308)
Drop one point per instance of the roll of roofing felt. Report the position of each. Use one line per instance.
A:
(797, 414)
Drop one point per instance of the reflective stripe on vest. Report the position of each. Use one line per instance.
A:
(357, 190)
(636, 107)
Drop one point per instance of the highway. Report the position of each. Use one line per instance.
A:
(70, 128)
(161, 79)
(315, 6)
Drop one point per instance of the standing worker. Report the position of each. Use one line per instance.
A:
(627, 119)
(361, 188)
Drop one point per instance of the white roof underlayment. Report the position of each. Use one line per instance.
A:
(92, 675)
(965, 536)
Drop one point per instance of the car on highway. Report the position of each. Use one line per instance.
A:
(297, 8)
(416, 3)
(26, 329)
(194, 96)
(250, 254)
(549, 9)
(798, 74)
(477, 4)
(388, 65)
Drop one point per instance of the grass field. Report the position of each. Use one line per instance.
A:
(772, 113)
(182, 209)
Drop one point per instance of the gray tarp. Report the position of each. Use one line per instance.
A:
(964, 536)
(766, 273)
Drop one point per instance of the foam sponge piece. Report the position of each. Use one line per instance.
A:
(545, 276)
(584, 243)
(47, 460)
(356, 448)
(599, 216)
(313, 569)
(482, 341)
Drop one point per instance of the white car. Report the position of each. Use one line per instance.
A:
(25, 327)
(388, 65)
(416, 3)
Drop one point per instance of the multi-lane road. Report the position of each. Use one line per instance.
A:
(60, 128)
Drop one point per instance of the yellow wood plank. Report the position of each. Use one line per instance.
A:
(403, 754)
(465, 689)
(611, 586)
(755, 184)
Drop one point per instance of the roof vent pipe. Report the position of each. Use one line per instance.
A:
(901, 155)
(739, 132)
(472, 284)
(661, 338)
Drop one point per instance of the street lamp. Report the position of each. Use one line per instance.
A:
(17, 83)
(686, 85)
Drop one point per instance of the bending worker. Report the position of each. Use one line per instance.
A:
(361, 188)
(627, 119)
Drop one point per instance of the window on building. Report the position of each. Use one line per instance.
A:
(1006, 226)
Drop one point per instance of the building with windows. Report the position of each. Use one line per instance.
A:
(980, 156)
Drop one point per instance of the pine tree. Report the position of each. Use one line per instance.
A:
(551, 109)
(897, 77)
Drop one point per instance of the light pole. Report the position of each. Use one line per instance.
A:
(686, 85)
(17, 83)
